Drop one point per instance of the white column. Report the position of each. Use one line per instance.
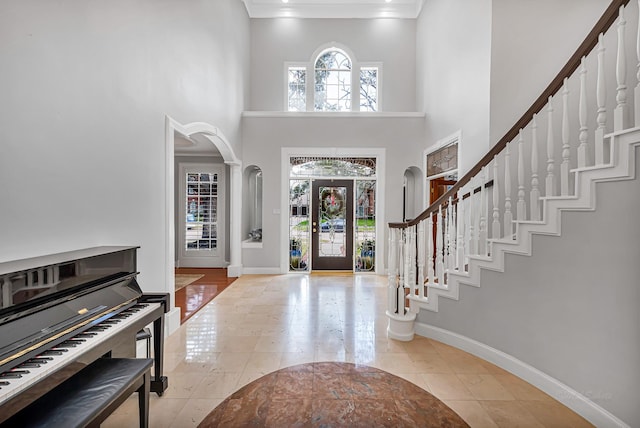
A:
(393, 271)
(235, 263)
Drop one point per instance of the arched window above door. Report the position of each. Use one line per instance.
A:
(332, 78)
(333, 81)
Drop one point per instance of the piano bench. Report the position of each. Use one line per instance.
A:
(90, 396)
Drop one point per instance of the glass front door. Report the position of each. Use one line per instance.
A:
(332, 225)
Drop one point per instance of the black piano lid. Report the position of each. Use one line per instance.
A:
(46, 321)
(59, 258)
(42, 292)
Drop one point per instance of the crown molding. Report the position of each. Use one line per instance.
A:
(363, 9)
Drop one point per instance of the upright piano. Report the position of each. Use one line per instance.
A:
(61, 312)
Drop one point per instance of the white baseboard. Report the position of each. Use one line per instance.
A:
(234, 271)
(561, 392)
(261, 271)
(171, 321)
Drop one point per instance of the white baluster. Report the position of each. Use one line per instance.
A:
(601, 99)
(406, 257)
(637, 88)
(521, 207)
(550, 183)
(453, 250)
(439, 248)
(460, 229)
(495, 226)
(445, 239)
(473, 220)
(566, 149)
(401, 271)
(535, 191)
(451, 237)
(421, 257)
(583, 156)
(508, 216)
(411, 258)
(430, 252)
(620, 114)
(392, 301)
(482, 227)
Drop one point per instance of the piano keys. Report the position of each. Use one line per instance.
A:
(61, 312)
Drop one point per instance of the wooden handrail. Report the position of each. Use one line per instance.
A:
(604, 23)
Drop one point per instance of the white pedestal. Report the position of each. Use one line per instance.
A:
(401, 326)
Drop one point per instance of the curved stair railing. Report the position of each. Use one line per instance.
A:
(524, 180)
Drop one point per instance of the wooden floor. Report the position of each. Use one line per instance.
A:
(194, 296)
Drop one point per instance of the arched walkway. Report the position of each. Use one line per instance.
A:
(212, 134)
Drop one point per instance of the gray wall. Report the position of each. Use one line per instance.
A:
(85, 89)
(265, 136)
(531, 40)
(276, 41)
(453, 64)
(571, 309)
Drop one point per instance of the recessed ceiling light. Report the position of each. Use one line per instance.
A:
(285, 1)
(387, 1)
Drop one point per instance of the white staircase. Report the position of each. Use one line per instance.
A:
(520, 189)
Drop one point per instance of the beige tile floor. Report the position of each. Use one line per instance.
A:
(263, 323)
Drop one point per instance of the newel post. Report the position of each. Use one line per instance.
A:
(401, 321)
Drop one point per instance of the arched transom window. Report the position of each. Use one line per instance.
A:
(332, 81)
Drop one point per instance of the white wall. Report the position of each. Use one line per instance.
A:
(276, 41)
(453, 63)
(531, 41)
(85, 89)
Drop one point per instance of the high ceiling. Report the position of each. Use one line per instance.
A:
(334, 8)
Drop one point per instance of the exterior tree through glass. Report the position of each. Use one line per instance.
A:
(297, 89)
(299, 234)
(333, 82)
(369, 89)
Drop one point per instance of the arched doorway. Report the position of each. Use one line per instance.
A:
(210, 134)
